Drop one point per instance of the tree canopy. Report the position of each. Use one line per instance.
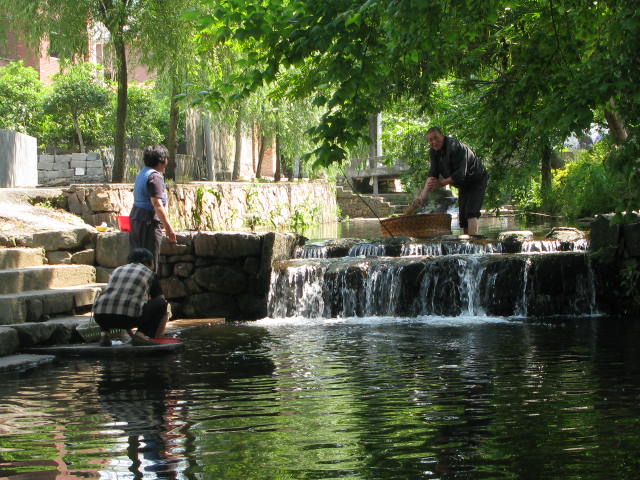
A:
(534, 70)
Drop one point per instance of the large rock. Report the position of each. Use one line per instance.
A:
(172, 287)
(221, 279)
(227, 244)
(631, 235)
(566, 234)
(65, 239)
(101, 201)
(512, 240)
(205, 305)
(32, 334)
(84, 257)
(604, 234)
(112, 249)
(9, 341)
(21, 257)
(278, 246)
(21, 362)
(59, 257)
(252, 307)
(170, 249)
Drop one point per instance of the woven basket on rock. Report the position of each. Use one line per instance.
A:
(421, 226)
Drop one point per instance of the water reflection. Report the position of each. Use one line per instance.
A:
(370, 398)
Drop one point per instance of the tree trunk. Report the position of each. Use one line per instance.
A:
(616, 123)
(238, 154)
(118, 174)
(277, 176)
(546, 177)
(76, 125)
(174, 113)
(260, 157)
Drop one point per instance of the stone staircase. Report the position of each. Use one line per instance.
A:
(40, 303)
(364, 205)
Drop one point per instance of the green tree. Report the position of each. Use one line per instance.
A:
(20, 99)
(174, 57)
(535, 70)
(65, 23)
(76, 92)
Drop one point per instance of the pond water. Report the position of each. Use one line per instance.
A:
(367, 398)
(490, 226)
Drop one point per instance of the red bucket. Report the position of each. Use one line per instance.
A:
(166, 340)
(123, 223)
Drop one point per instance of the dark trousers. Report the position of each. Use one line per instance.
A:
(470, 200)
(147, 234)
(147, 323)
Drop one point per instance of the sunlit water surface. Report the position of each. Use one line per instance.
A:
(384, 398)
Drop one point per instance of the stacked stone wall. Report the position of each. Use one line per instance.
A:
(215, 205)
(208, 274)
(70, 168)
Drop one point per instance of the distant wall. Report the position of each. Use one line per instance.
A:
(356, 206)
(96, 167)
(18, 160)
(70, 168)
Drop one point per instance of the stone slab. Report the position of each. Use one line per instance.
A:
(11, 258)
(33, 306)
(45, 277)
(95, 350)
(9, 342)
(21, 362)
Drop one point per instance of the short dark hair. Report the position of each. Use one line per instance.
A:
(141, 255)
(435, 129)
(154, 155)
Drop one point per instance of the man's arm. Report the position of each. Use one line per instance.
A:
(162, 215)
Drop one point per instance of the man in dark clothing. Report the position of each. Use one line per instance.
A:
(149, 213)
(454, 163)
(133, 299)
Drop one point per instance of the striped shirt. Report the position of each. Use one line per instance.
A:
(127, 291)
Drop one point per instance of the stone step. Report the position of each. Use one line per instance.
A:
(45, 277)
(13, 258)
(36, 305)
(23, 361)
(60, 330)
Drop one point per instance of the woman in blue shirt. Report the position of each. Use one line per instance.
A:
(149, 215)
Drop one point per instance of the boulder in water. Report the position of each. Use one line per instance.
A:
(565, 234)
(512, 240)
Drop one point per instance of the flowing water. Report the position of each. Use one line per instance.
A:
(368, 398)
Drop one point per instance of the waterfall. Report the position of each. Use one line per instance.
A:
(367, 249)
(450, 285)
(407, 247)
(531, 246)
(449, 248)
(311, 251)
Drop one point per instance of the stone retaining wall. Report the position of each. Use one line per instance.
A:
(209, 274)
(215, 205)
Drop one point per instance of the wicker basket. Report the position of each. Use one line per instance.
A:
(421, 226)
